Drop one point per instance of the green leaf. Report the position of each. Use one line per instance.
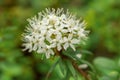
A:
(119, 62)
(93, 75)
(104, 65)
(109, 78)
(62, 67)
(52, 68)
(71, 68)
(105, 78)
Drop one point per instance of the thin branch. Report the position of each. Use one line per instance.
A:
(80, 71)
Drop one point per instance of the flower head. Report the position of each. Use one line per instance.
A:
(53, 29)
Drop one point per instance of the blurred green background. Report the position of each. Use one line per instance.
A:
(103, 21)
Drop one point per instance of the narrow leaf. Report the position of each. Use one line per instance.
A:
(71, 68)
(52, 68)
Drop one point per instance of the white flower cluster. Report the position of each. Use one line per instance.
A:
(53, 29)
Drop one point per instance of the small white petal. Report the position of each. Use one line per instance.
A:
(28, 46)
(66, 45)
(58, 36)
(63, 16)
(65, 39)
(59, 47)
(45, 21)
(51, 51)
(73, 47)
(70, 36)
(39, 51)
(53, 45)
(35, 47)
(47, 55)
(75, 41)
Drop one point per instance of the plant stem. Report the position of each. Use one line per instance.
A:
(80, 71)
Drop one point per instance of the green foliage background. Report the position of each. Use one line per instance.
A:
(103, 20)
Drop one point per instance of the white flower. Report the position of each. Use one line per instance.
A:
(70, 41)
(53, 29)
(48, 51)
(58, 42)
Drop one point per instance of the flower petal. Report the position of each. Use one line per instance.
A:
(59, 47)
(66, 45)
(73, 47)
(75, 41)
